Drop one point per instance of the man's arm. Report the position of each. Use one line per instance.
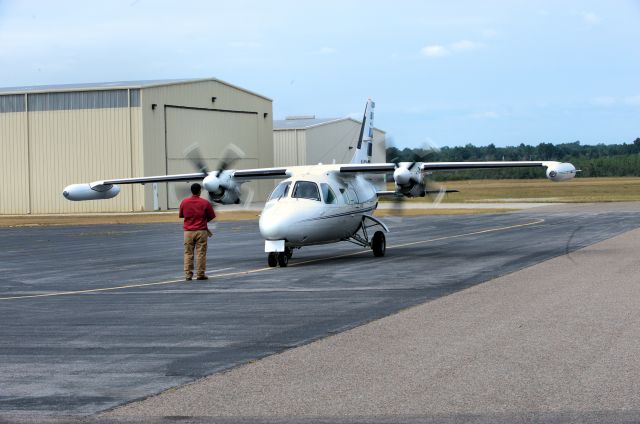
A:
(210, 213)
(181, 211)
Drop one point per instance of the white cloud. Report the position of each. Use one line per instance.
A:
(438, 50)
(590, 18)
(608, 101)
(604, 101)
(326, 50)
(245, 44)
(489, 114)
(489, 33)
(465, 45)
(632, 100)
(435, 50)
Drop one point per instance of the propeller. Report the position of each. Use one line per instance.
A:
(219, 185)
(405, 174)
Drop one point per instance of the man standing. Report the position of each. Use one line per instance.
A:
(197, 212)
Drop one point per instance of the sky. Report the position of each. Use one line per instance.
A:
(441, 73)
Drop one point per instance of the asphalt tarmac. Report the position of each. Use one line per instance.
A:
(95, 317)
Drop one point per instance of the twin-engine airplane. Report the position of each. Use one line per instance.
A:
(319, 204)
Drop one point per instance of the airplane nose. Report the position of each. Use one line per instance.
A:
(272, 224)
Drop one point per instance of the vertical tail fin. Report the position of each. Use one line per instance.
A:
(365, 141)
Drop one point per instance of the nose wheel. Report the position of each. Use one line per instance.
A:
(280, 258)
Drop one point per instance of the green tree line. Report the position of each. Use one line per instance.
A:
(601, 160)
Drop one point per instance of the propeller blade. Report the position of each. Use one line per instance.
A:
(195, 156)
(248, 195)
(231, 154)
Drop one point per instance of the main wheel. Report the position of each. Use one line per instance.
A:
(378, 244)
(283, 259)
(272, 259)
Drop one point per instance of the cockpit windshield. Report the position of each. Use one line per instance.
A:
(306, 190)
(282, 190)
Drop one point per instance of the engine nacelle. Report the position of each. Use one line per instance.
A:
(91, 191)
(228, 196)
(560, 171)
(222, 188)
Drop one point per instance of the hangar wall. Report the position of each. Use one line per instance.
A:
(316, 141)
(14, 169)
(212, 114)
(61, 138)
(58, 135)
(290, 147)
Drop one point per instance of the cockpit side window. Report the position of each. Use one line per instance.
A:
(327, 194)
(282, 190)
(306, 190)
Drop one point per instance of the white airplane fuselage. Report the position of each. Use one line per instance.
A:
(294, 215)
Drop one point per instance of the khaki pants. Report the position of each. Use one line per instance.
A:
(195, 240)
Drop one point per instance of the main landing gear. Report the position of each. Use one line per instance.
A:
(378, 242)
(280, 258)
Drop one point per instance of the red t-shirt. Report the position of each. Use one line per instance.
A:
(196, 213)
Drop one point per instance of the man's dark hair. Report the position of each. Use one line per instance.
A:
(196, 189)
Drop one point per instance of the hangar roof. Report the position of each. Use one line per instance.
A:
(112, 86)
(303, 123)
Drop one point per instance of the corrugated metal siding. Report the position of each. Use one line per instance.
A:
(77, 146)
(134, 97)
(78, 100)
(323, 144)
(289, 148)
(12, 103)
(137, 155)
(14, 164)
(332, 141)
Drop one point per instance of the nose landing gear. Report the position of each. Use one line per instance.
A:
(280, 258)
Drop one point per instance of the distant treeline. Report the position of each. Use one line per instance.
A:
(601, 160)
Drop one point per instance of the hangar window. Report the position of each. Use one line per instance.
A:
(100, 99)
(306, 190)
(280, 191)
(12, 103)
(327, 194)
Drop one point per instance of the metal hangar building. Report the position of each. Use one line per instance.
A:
(52, 136)
(307, 140)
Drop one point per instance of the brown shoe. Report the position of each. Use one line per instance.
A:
(202, 277)
(188, 278)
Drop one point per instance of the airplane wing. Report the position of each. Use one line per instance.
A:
(383, 168)
(155, 179)
(452, 166)
(368, 168)
(241, 175)
(223, 185)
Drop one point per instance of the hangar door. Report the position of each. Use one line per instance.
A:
(212, 130)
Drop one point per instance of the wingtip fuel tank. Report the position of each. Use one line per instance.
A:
(90, 191)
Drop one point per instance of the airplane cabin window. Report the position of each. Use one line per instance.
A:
(281, 190)
(327, 193)
(306, 190)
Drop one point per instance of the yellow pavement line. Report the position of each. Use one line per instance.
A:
(491, 230)
(253, 271)
(127, 286)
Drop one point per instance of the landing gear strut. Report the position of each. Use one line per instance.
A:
(378, 242)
